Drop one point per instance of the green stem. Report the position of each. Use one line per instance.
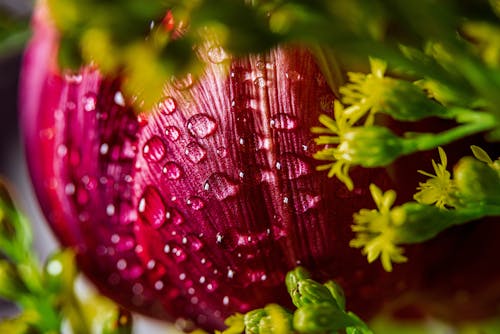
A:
(473, 123)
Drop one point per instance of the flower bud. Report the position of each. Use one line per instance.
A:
(293, 278)
(477, 181)
(337, 293)
(252, 320)
(277, 321)
(419, 222)
(321, 318)
(370, 146)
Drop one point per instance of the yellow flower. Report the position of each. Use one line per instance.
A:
(439, 189)
(376, 230)
(366, 92)
(332, 134)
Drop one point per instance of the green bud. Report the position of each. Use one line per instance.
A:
(370, 146)
(417, 222)
(252, 321)
(477, 181)
(277, 321)
(311, 292)
(321, 318)
(292, 280)
(337, 293)
(11, 283)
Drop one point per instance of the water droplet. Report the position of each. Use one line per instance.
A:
(195, 152)
(110, 210)
(152, 208)
(212, 286)
(62, 150)
(121, 264)
(168, 106)
(230, 273)
(180, 255)
(225, 300)
(222, 186)
(154, 149)
(218, 238)
(195, 203)
(119, 99)
(260, 82)
(284, 122)
(221, 151)
(172, 133)
(89, 102)
(201, 125)
(183, 83)
(174, 217)
(216, 54)
(195, 243)
(172, 170)
(70, 189)
(293, 166)
(182, 276)
(159, 285)
(293, 76)
(306, 201)
(74, 78)
(104, 148)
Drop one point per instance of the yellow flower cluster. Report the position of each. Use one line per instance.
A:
(375, 230)
(440, 188)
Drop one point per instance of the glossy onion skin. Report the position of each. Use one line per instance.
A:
(198, 208)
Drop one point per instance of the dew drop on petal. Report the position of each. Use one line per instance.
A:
(154, 149)
(284, 122)
(306, 201)
(183, 83)
(168, 106)
(293, 166)
(293, 76)
(260, 82)
(180, 256)
(216, 54)
(119, 99)
(172, 170)
(174, 217)
(152, 208)
(89, 102)
(195, 203)
(222, 186)
(221, 151)
(201, 125)
(172, 133)
(195, 152)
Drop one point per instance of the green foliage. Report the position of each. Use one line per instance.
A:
(46, 295)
